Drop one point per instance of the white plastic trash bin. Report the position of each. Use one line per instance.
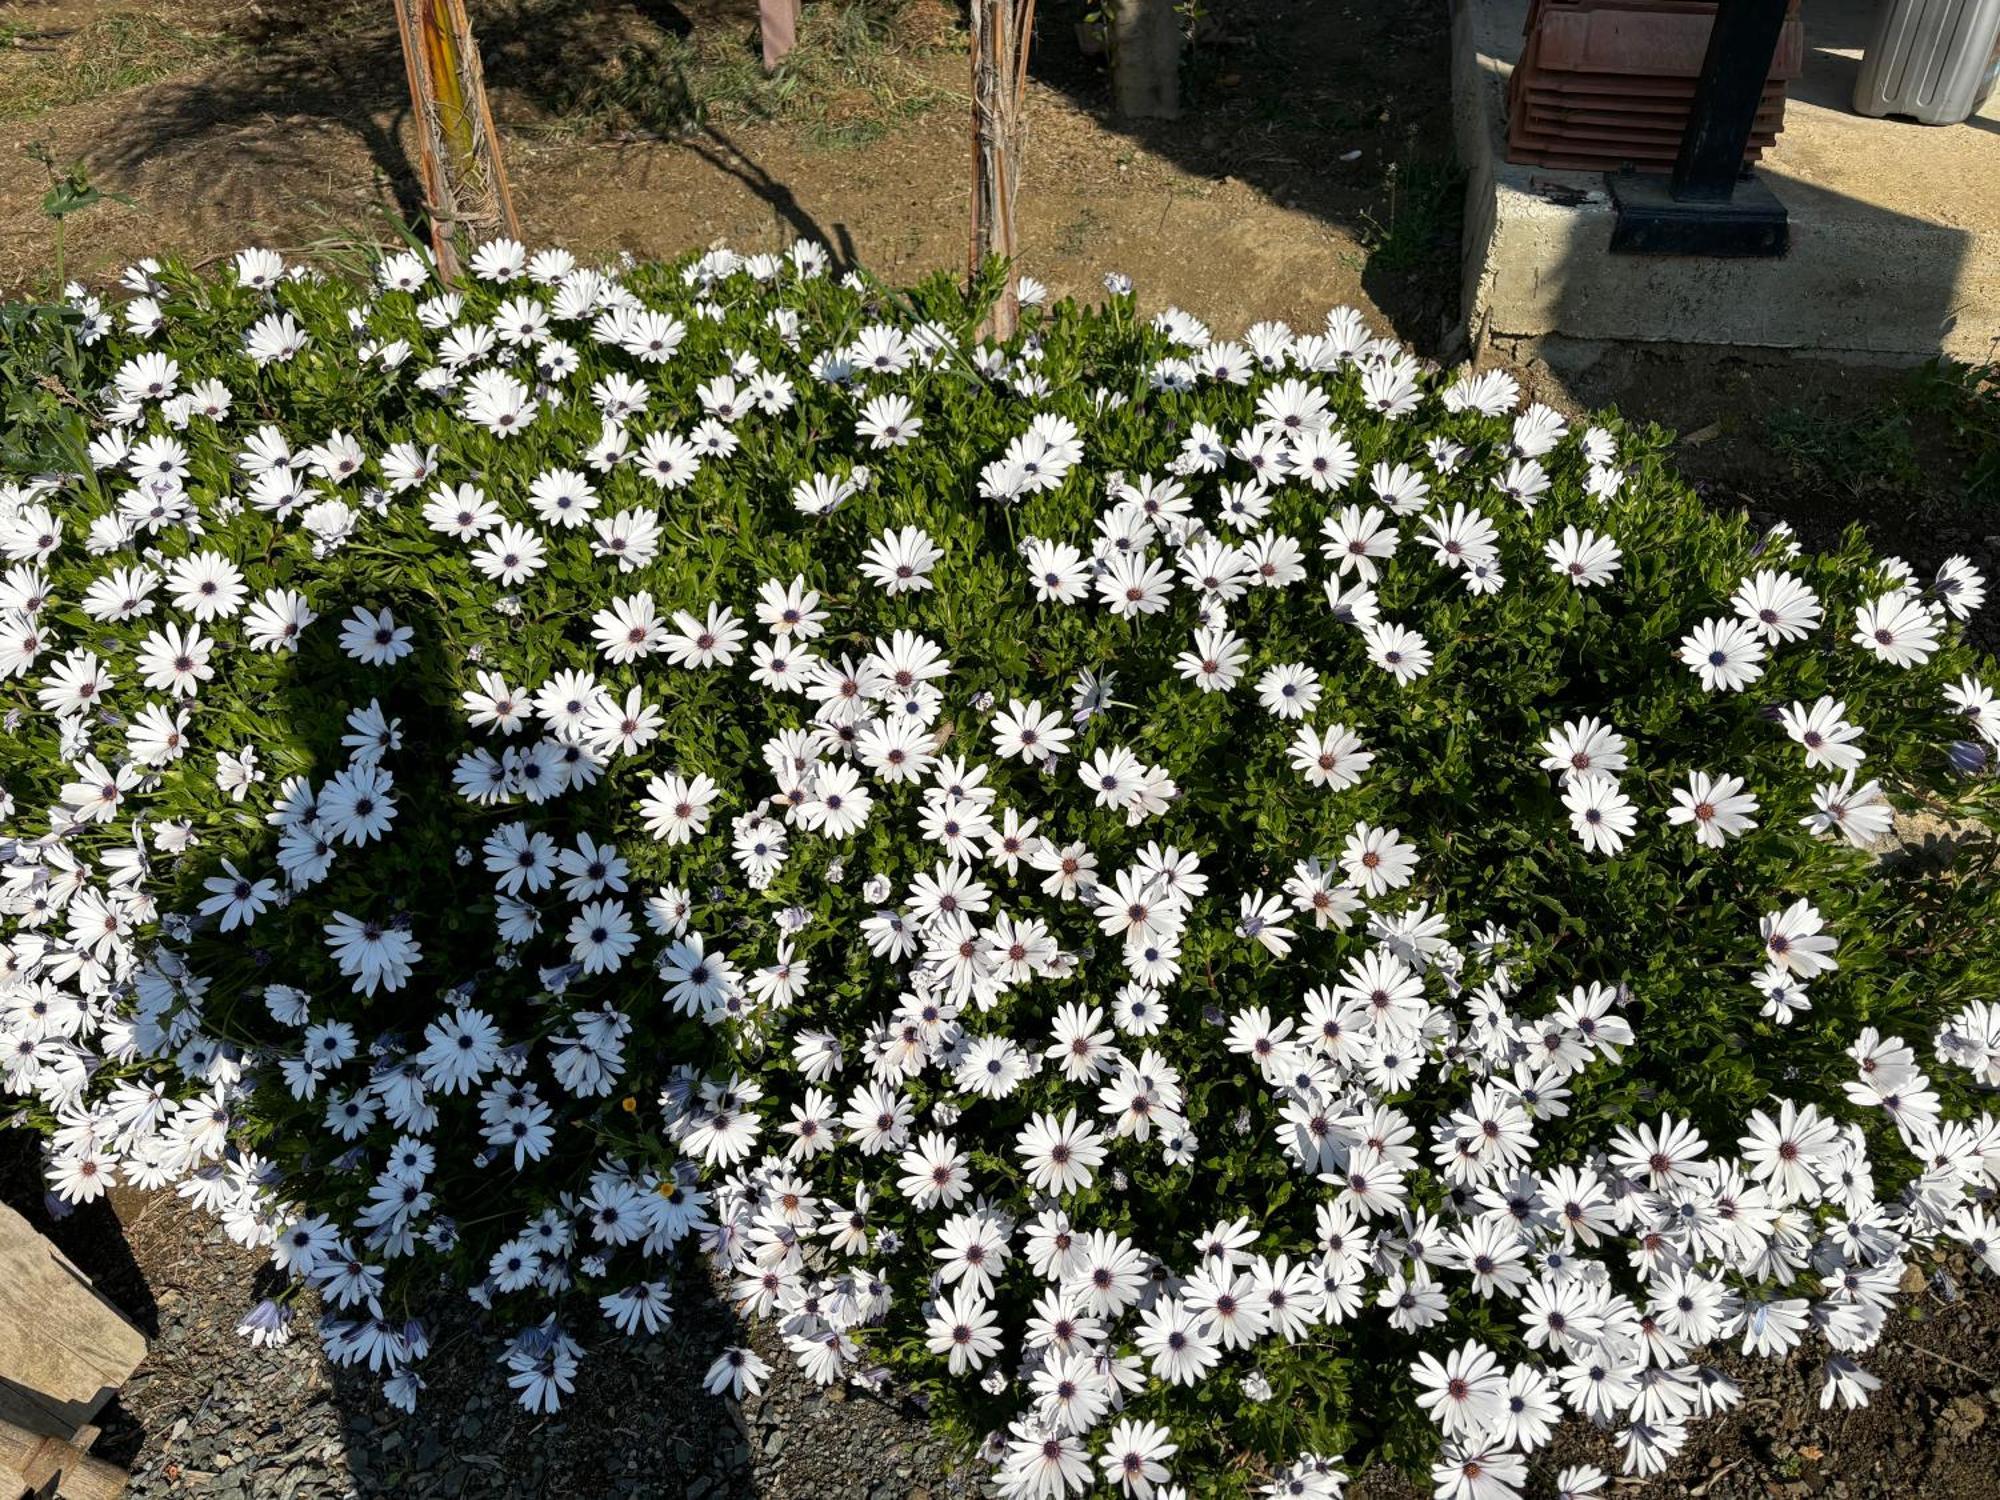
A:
(1931, 60)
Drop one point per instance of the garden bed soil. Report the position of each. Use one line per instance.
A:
(1270, 191)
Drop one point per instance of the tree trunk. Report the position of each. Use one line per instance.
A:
(1146, 59)
(1001, 30)
(458, 149)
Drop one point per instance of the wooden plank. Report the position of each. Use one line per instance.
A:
(39, 1413)
(1557, 121)
(1657, 94)
(51, 1466)
(64, 1348)
(1564, 158)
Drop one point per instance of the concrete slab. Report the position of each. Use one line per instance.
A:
(1895, 227)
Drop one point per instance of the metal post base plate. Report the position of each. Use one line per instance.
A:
(1651, 221)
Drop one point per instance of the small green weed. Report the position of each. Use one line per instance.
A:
(1423, 203)
(43, 70)
(1966, 399)
(1857, 454)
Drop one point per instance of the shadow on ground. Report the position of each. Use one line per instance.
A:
(208, 1415)
(1340, 109)
(1279, 92)
(1305, 123)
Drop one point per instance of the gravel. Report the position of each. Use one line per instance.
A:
(209, 1415)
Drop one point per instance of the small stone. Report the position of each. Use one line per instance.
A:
(1963, 1416)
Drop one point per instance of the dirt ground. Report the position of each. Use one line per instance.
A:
(1310, 168)
(294, 133)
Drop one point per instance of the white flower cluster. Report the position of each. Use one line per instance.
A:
(1618, 1265)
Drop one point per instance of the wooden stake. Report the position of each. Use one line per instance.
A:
(1001, 33)
(778, 28)
(458, 149)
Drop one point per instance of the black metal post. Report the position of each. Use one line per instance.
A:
(1726, 96)
(1710, 205)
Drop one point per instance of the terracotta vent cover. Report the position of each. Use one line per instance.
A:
(1606, 84)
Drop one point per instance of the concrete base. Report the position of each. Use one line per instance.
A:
(1895, 227)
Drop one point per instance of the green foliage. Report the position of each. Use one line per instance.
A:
(70, 192)
(1423, 202)
(1967, 397)
(1859, 455)
(1456, 772)
(60, 65)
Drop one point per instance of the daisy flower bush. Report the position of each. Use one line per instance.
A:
(1202, 904)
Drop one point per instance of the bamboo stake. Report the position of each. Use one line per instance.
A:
(1001, 33)
(466, 197)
